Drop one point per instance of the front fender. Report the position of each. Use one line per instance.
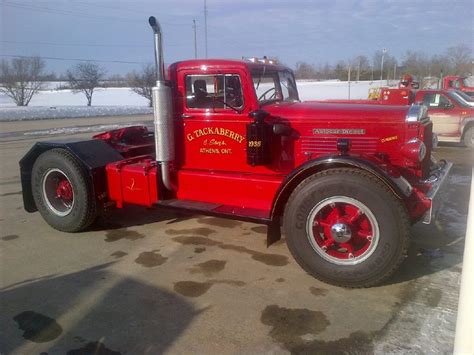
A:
(398, 185)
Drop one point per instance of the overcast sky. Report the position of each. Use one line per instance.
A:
(298, 30)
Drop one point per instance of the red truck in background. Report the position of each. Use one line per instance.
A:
(452, 82)
(231, 138)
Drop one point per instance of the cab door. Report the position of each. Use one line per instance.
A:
(444, 114)
(214, 121)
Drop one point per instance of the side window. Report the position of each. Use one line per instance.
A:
(444, 102)
(222, 91)
(428, 100)
(436, 101)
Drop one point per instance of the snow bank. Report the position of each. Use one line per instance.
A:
(101, 97)
(326, 90)
(38, 112)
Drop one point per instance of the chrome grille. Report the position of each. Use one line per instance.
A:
(323, 145)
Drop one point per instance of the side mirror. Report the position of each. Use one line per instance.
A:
(259, 115)
(448, 105)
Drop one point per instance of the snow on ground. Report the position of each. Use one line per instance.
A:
(123, 101)
(325, 90)
(41, 112)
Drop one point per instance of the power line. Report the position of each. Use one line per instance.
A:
(78, 44)
(64, 12)
(90, 45)
(128, 10)
(33, 7)
(73, 59)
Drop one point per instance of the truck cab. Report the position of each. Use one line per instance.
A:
(453, 82)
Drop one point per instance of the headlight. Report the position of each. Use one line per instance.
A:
(414, 150)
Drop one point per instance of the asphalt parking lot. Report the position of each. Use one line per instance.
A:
(153, 281)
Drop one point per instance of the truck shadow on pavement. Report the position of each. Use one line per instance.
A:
(132, 216)
(91, 311)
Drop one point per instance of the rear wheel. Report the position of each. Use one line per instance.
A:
(62, 191)
(345, 227)
(468, 137)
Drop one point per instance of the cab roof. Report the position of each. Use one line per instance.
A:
(224, 64)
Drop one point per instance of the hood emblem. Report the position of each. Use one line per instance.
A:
(338, 131)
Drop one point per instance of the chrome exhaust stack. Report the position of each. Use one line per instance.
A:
(162, 111)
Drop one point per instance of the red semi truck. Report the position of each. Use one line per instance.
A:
(232, 139)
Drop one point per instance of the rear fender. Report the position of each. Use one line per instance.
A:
(94, 155)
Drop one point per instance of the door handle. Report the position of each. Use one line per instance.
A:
(186, 116)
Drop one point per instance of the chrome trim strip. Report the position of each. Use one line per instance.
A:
(440, 176)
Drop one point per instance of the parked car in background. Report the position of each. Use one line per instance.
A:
(451, 113)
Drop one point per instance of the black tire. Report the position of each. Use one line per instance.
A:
(468, 137)
(82, 211)
(356, 185)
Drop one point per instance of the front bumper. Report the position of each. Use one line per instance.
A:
(438, 175)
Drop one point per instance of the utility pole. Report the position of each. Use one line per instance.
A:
(381, 64)
(349, 82)
(205, 27)
(195, 40)
(358, 70)
(395, 71)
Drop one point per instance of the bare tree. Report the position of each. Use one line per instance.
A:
(20, 79)
(305, 71)
(85, 77)
(361, 66)
(143, 81)
(460, 58)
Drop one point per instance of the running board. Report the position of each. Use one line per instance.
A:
(211, 209)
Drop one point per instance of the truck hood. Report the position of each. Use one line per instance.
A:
(327, 112)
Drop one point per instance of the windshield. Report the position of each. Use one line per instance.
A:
(461, 99)
(465, 82)
(271, 86)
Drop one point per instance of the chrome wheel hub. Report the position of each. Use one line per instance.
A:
(341, 232)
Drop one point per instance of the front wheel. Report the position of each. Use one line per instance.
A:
(345, 227)
(468, 137)
(62, 191)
